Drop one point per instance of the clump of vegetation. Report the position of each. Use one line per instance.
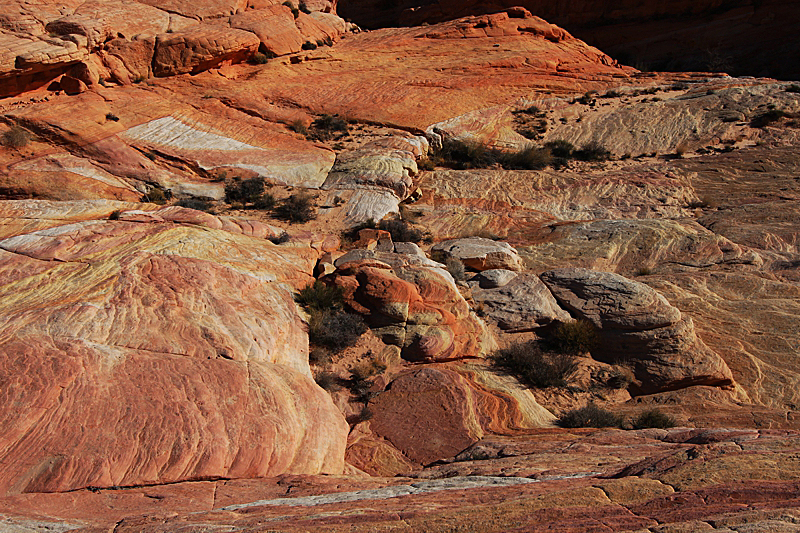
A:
(574, 338)
(112, 117)
(359, 383)
(335, 329)
(303, 7)
(592, 151)
(16, 137)
(319, 356)
(327, 381)
(533, 366)
(308, 45)
(794, 88)
(324, 128)
(644, 271)
(653, 418)
(259, 58)
(619, 378)
(196, 203)
(298, 126)
(296, 208)
(768, 117)
(586, 99)
(462, 155)
(590, 416)
(611, 94)
(320, 296)
(529, 158)
(531, 123)
(156, 195)
(560, 148)
(425, 163)
(244, 191)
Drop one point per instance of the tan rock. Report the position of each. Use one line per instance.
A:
(479, 253)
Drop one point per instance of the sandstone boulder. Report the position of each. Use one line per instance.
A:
(493, 278)
(413, 303)
(479, 253)
(639, 327)
(524, 303)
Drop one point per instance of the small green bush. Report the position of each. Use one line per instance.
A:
(619, 378)
(531, 365)
(590, 416)
(298, 126)
(653, 418)
(308, 45)
(296, 208)
(574, 338)
(401, 230)
(320, 296)
(335, 329)
(16, 137)
(319, 356)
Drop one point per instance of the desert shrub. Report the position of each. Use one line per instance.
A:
(456, 268)
(280, 239)
(112, 117)
(619, 378)
(586, 99)
(115, 214)
(611, 94)
(679, 86)
(560, 148)
(327, 381)
(644, 271)
(245, 191)
(401, 230)
(574, 337)
(463, 155)
(196, 203)
(592, 151)
(365, 414)
(319, 296)
(298, 126)
(590, 416)
(425, 163)
(528, 158)
(308, 45)
(259, 58)
(327, 127)
(531, 365)
(156, 195)
(319, 356)
(266, 202)
(653, 418)
(296, 208)
(794, 88)
(16, 137)
(335, 329)
(768, 117)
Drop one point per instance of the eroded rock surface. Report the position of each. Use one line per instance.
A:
(638, 326)
(136, 354)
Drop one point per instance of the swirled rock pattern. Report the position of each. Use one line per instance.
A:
(154, 358)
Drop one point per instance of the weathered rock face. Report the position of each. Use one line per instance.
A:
(129, 41)
(709, 35)
(478, 253)
(639, 327)
(135, 353)
(522, 304)
(411, 302)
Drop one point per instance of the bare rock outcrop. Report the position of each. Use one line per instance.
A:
(639, 327)
(411, 302)
(524, 303)
(478, 253)
(136, 353)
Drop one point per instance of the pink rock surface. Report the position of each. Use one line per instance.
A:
(154, 358)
